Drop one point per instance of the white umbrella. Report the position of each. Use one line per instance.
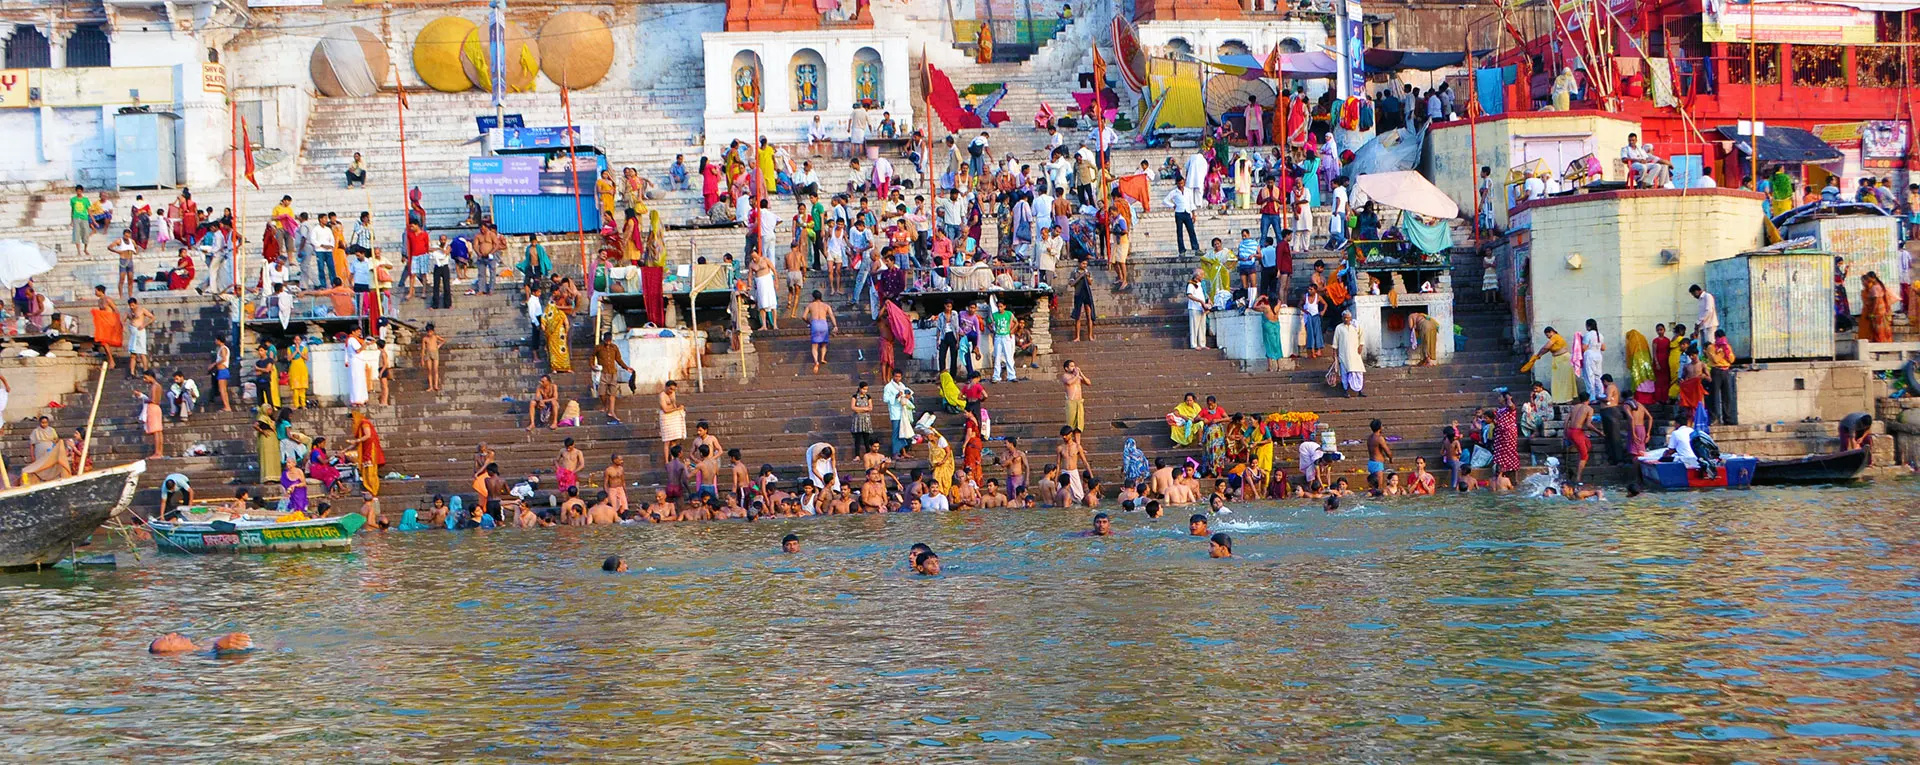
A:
(21, 260)
(1409, 191)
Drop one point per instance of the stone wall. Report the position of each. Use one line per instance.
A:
(1788, 392)
(34, 382)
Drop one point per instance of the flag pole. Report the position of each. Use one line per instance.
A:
(237, 235)
(573, 172)
(1101, 151)
(406, 207)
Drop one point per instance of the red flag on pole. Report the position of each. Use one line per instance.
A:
(401, 89)
(246, 151)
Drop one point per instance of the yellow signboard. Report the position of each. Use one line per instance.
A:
(213, 77)
(13, 88)
(104, 86)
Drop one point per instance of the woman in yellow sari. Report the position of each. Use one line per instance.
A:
(1262, 445)
(299, 377)
(554, 325)
(940, 458)
(267, 442)
(1559, 380)
(630, 238)
(604, 189)
(1184, 421)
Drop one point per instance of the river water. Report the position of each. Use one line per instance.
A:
(1762, 625)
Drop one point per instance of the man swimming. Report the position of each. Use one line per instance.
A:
(1102, 526)
(1197, 525)
(913, 554)
(1333, 504)
(613, 565)
(1220, 546)
(790, 543)
(1153, 509)
(927, 563)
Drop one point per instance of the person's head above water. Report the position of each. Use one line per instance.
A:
(927, 562)
(1102, 525)
(790, 543)
(1333, 504)
(1197, 525)
(614, 564)
(1153, 508)
(1220, 546)
(913, 553)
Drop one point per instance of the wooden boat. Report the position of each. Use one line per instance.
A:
(1734, 473)
(255, 535)
(1838, 467)
(43, 523)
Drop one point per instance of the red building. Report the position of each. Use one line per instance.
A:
(1839, 70)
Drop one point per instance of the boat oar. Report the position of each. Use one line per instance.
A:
(87, 445)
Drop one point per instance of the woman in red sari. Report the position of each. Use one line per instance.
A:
(709, 185)
(182, 274)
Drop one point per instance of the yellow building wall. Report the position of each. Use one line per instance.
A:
(1450, 150)
(1622, 283)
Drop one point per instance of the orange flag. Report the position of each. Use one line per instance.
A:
(1273, 63)
(1135, 187)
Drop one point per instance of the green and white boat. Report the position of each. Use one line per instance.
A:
(256, 535)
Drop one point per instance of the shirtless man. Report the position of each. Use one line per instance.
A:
(1075, 381)
(875, 460)
(669, 406)
(528, 519)
(573, 510)
(1070, 455)
(431, 342)
(873, 492)
(615, 479)
(1379, 454)
(757, 266)
(796, 263)
(708, 469)
(546, 396)
(370, 509)
(702, 436)
(1016, 462)
(1579, 433)
(602, 513)
(1046, 491)
(821, 325)
(568, 465)
(1161, 481)
(990, 497)
(140, 320)
(966, 494)
(607, 357)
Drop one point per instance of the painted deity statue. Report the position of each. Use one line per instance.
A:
(806, 82)
(746, 88)
(866, 85)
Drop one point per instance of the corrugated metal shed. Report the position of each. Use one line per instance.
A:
(1775, 305)
(1868, 242)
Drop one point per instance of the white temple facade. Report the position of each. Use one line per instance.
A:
(794, 77)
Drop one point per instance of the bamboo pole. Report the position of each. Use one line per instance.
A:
(6, 481)
(87, 445)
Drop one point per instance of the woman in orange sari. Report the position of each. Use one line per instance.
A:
(368, 455)
(1876, 310)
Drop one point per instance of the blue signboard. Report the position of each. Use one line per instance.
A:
(523, 138)
(486, 123)
(503, 175)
